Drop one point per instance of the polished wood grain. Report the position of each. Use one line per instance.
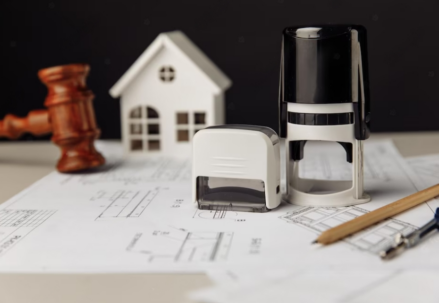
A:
(36, 123)
(341, 231)
(69, 116)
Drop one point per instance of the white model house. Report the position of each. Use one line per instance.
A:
(167, 95)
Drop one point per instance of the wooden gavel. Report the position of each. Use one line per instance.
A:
(69, 116)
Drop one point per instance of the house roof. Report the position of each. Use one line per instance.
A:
(179, 41)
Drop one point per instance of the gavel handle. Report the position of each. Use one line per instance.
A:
(37, 123)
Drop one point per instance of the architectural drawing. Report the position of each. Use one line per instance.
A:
(15, 224)
(125, 203)
(217, 213)
(374, 239)
(182, 246)
(132, 218)
(134, 172)
(167, 95)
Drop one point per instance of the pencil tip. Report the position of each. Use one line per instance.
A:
(315, 242)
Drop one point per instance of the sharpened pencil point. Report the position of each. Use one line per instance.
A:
(315, 242)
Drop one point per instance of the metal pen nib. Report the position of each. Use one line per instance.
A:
(403, 242)
(398, 247)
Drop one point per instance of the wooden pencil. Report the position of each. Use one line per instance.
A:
(341, 231)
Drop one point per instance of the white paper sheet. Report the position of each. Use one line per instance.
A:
(138, 216)
(394, 281)
(427, 169)
(335, 285)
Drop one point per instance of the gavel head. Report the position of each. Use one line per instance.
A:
(70, 106)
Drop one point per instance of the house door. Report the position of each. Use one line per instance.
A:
(144, 129)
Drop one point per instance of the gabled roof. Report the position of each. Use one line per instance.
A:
(180, 42)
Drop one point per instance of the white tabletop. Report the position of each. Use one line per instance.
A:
(22, 163)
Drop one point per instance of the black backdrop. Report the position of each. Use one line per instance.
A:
(241, 37)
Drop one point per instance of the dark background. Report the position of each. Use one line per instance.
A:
(241, 37)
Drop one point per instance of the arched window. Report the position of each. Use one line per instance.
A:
(144, 129)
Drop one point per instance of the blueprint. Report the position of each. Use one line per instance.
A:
(374, 239)
(182, 246)
(138, 216)
(354, 283)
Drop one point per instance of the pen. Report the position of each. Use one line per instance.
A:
(404, 242)
(348, 228)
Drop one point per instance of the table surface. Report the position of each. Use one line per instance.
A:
(23, 163)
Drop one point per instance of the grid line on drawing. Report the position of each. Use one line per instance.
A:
(35, 220)
(205, 246)
(15, 224)
(12, 218)
(143, 203)
(180, 251)
(215, 249)
(217, 212)
(374, 239)
(193, 247)
(126, 204)
(220, 212)
(131, 200)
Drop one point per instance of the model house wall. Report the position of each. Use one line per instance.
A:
(168, 94)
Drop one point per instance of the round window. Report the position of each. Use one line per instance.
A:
(167, 73)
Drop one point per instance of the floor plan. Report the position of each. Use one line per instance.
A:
(183, 246)
(125, 203)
